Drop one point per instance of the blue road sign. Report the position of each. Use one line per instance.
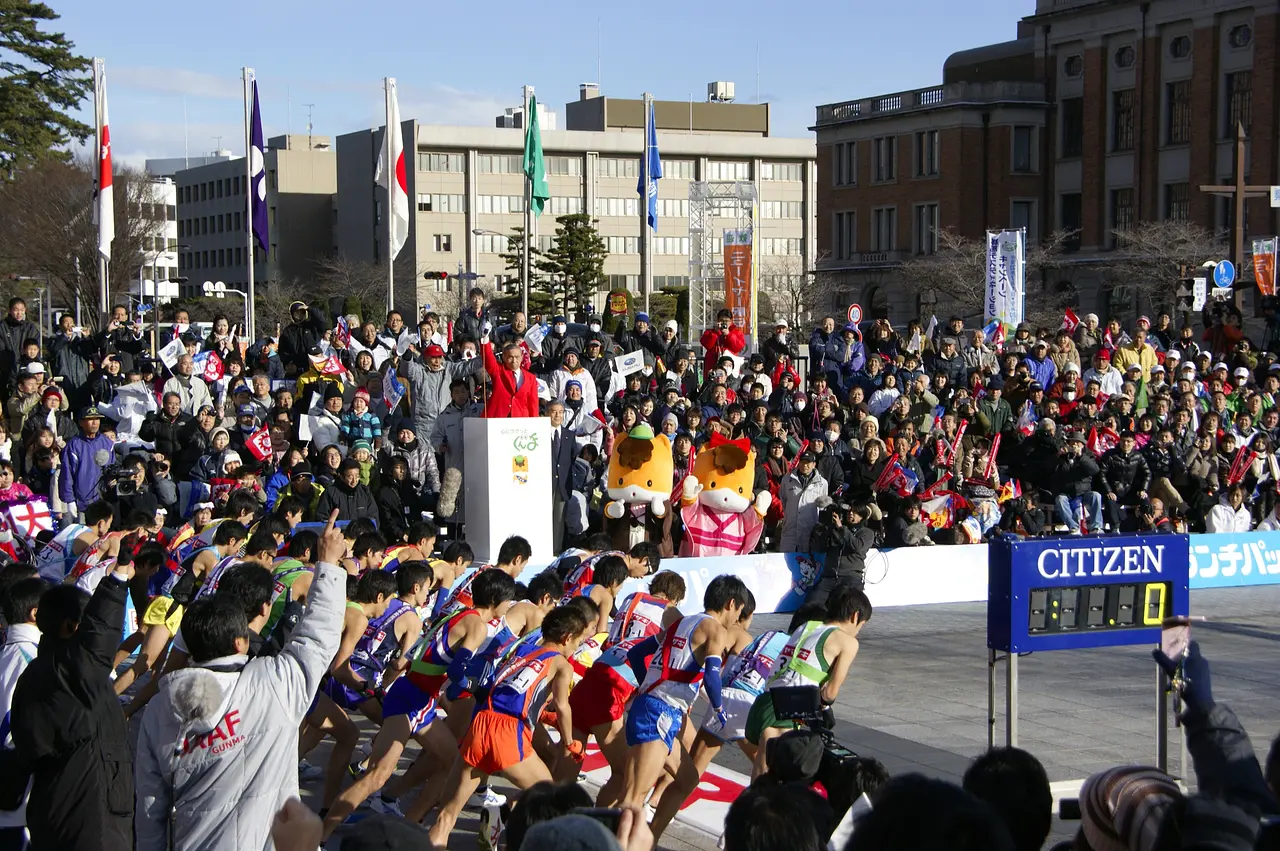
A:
(1224, 274)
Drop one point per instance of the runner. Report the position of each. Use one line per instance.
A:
(607, 578)
(817, 654)
(645, 613)
(453, 562)
(293, 574)
(681, 656)
(500, 738)
(409, 709)
(513, 557)
(57, 557)
(642, 560)
(420, 546)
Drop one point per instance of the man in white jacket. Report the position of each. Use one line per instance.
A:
(219, 743)
(22, 640)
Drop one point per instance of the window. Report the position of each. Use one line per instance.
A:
(204, 225)
(728, 170)
(844, 238)
(1070, 218)
(622, 244)
(491, 244)
(222, 226)
(424, 203)
(441, 162)
(1177, 202)
(565, 205)
(884, 229)
(1121, 212)
(1241, 36)
(238, 226)
(499, 164)
(1122, 120)
(844, 166)
(565, 166)
(170, 213)
(500, 204)
(883, 151)
(617, 207)
(1072, 122)
(670, 244)
(182, 228)
(927, 153)
(1023, 158)
(1180, 47)
(677, 169)
(779, 209)
(240, 255)
(1178, 115)
(1073, 66)
(441, 203)
(222, 257)
(676, 208)
(926, 228)
(617, 167)
(204, 192)
(779, 171)
(1239, 103)
(1124, 56)
(1022, 214)
(272, 180)
(442, 242)
(780, 246)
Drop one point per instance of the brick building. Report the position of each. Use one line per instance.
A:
(1099, 115)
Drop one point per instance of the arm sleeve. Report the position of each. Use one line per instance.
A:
(458, 672)
(100, 627)
(711, 679)
(636, 655)
(1224, 760)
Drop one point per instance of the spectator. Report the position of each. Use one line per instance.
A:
(1015, 785)
(304, 332)
(513, 391)
(83, 459)
(471, 319)
(1074, 489)
(192, 391)
(724, 338)
(351, 499)
(1231, 514)
(800, 491)
(1124, 479)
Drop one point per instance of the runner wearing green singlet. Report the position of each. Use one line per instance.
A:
(817, 654)
(293, 574)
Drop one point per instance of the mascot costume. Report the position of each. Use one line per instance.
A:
(720, 518)
(639, 484)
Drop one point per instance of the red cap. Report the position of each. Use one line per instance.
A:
(362, 394)
(434, 351)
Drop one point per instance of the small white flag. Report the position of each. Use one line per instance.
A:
(626, 364)
(169, 354)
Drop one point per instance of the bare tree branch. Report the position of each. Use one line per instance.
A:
(1151, 257)
(790, 292)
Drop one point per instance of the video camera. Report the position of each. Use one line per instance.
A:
(803, 705)
(114, 478)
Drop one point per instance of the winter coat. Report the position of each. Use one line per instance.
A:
(1124, 475)
(846, 358)
(297, 338)
(69, 731)
(1074, 476)
(1223, 518)
(192, 390)
(218, 744)
(398, 507)
(423, 471)
(429, 389)
(718, 343)
(82, 463)
(1043, 371)
(352, 503)
(979, 358)
(165, 433)
(69, 357)
(799, 509)
(507, 398)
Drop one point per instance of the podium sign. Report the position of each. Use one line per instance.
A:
(507, 484)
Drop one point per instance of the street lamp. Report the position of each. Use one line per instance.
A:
(219, 290)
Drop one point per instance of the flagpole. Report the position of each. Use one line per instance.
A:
(247, 81)
(104, 286)
(387, 84)
(528, 214)
(646, 271)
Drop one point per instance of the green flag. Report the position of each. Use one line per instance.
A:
(534, 167)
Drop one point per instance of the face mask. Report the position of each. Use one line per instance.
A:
(594, 326)
(1069, 395)
(799, 404)
(467, 354)
(833, 436)
(560, 329)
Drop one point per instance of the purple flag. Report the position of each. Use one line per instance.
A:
(258, 181)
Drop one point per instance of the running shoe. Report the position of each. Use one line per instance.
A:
(486, 797)
(386, 806)
(308, 773)
(491, 825)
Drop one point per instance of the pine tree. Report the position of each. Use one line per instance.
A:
(574, 263)
(41, 81)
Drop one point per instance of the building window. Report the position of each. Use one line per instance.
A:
(1178, 121)
(1073, 66)
(619, 167)
(238, 226)
(1124, 56)
(566, 205)
(499, 204)
(844, 238)
(677, 169)
(170, 213)
(671, 245)
(626, 207)
(441, 203)
(778, 209)
(1072, 121)
(1177, 202)
(777, 246)
(1022, 148)
(1180, 47)
(1022, 215)
(567, 166)
(499, 164)
(1071, 218)
(926, 228)
(441, 162)
(844, 167)
(1241, 36)
(927, 153)
(727, 170)
(884, 229)
(1239, 103)
(424, 203)
(622, 244)
(1122, 120)
(443, 242)
(883, 151)
(778, 171)
(1121, 212)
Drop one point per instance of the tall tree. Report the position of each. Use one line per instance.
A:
(795, 294)
(575, 263)
(513, 257)
(42, 80)
(1150, 257)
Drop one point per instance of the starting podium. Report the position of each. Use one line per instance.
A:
(1072, 593)
(507, 482)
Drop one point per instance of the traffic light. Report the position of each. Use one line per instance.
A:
(1186, 296)
(435, 276)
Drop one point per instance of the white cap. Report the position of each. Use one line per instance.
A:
(1157, 368)
(34, 368)
(1242, 372)
(230, 456)
(672, 325)
(1173, 353)
(781, 323)
(1071, 366)
(1220, 365)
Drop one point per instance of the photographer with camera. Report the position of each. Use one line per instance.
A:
(843, 538)
(126, 489)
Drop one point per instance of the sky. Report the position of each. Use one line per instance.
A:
(463, 63)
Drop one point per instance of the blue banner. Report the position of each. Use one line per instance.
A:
(1235, 559)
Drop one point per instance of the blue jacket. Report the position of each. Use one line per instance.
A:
(818, 341)
(82, 463)
(837, 352)
(1043, 371)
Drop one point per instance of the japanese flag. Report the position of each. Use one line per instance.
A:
(259, 444)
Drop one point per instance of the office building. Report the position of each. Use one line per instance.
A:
(159, 246)
(301, 182)
(170, 166)
(466, 189)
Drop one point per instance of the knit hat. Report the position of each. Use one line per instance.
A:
(362, 444)
(362, 394)
(332, 390)
(1121, 809)
(569, 833)
(642, 317)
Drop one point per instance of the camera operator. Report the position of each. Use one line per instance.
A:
(126, 490)
(1152, 518)
(844, 538)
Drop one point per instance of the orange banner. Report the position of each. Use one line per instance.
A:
(737, 277)
(1264, 265)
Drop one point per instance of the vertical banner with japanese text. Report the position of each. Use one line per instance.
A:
(738, 277)
(1264, 265)
(1006, 264)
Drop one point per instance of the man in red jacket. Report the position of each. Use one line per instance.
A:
(513, 390)
(724, 338)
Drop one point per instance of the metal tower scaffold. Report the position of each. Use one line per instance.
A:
(714, 207)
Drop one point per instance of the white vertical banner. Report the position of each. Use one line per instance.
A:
(1006, 292)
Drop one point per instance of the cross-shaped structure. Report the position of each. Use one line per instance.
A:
(1238, 192)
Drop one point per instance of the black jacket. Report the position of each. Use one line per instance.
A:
(398, 507)
(124, 345)
(297, 338)
(774, 348)
(165, 433)
(1124, 475)
(350, 502)
(69, 357)
(68, 729)
(846, 549)
(1074, 476)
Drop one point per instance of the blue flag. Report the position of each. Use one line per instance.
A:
(258, 178)
(655, 168)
